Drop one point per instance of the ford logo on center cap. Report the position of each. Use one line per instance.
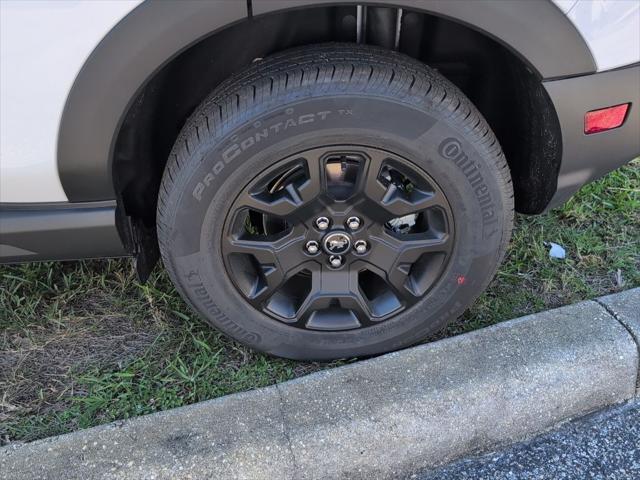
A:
(337, 243)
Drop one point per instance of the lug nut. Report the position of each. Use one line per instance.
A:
(312, 247)
(360, 246)
(335, 261)
(353, 223)
(322, 223)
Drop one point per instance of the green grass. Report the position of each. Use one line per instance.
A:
(84, 343)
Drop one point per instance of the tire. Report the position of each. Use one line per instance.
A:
(430, 144)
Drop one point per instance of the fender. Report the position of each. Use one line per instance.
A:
(156, 32)
(123, 62)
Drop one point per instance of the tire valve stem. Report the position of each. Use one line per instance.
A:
(335, 261)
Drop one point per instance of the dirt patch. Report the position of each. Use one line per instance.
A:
(38, 366)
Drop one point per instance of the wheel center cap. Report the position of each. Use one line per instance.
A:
(336, 243)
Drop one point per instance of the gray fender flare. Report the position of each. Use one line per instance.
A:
(155, 32)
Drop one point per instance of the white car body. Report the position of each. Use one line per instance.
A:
(43, 46)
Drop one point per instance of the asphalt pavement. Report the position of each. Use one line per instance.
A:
(605, 445)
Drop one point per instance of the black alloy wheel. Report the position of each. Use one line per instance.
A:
(333, 201)
(338, 237)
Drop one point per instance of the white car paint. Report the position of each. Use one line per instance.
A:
(565, 5)
(43, 45)
(611, 29)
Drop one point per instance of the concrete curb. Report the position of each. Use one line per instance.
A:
(380, 418)
(625, 307)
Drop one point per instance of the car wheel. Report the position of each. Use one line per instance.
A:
(334, 201)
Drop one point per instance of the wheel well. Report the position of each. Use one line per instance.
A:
(507, 92)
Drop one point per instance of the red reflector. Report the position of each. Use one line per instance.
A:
(605, 119)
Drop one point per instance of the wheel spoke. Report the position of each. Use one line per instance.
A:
(398, 206)
(335, 301)
(396, 258)
(283, 199)
(273, 278)
(372, 188)
(277, 260)
(390, 198)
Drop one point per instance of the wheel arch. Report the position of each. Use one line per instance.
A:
(112, 77)
(154, 33)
